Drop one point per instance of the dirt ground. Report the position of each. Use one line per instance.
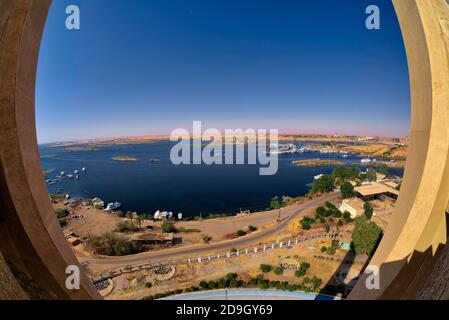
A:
(85, 220)
(132, 286)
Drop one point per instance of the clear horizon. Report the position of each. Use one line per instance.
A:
(145, 69)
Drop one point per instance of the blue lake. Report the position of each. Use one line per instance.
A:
(144, 186)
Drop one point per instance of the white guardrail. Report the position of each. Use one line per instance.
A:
(208, 258)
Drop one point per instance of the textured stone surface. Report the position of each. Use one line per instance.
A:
(417, 234)
(33, 248)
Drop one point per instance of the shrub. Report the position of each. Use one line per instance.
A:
(330, 205)
(278, 271)
(62, 222)
(206, 238)
(241, 233)
(323, 249)
(120, 213)
(108, 245)
(266, 268)
(168, 227)
(252, 228)
(331, 251)
(233, 283)
(340, 223)
(62, 213)
(302, 269)
(204, 285)
(126, 226)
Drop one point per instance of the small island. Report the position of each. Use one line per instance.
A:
(318, 163)
(125, 159)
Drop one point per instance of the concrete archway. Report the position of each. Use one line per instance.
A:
(33, 251)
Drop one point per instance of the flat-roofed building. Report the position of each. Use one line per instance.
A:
(354, 206)
(374, 190)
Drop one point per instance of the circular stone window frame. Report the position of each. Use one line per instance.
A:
(34, 254)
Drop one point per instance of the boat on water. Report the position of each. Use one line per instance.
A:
(113, 206)
(163, 215)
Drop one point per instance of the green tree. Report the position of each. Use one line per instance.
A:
(62, 213)
(371, 175)
(345, 173)
(307, 223)
(347, 216)
(275, 204)
(222, 283)
(212, 284)
(233, 283)
(369, 209)
(347, 190)
(320, 212)
(323, 185)
(316, 283)
(366, 236)
(301, 272)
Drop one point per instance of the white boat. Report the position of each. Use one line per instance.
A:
(367, 160)
(84, 169)
(76, 172)
(113, 206)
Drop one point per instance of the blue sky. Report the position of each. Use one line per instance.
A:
(147, 67)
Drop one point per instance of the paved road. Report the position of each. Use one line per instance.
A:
(250, 295)
(288, 214)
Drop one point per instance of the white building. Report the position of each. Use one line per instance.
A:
(353, 206)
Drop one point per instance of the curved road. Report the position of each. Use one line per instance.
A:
(250, 294)
(198, 250)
